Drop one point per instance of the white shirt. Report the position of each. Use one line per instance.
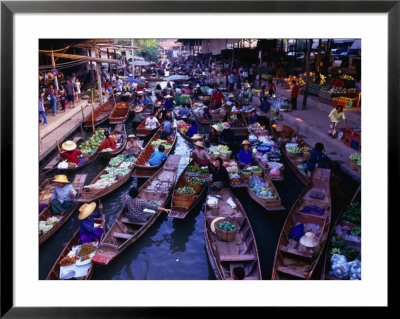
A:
(151, 123)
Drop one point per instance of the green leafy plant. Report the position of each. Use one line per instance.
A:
(356, 231)
(355, 157)
(335, 251)
(353, 213)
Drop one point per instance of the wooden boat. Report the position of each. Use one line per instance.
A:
(54, 273)
(78, 183)
(143, 132)
(267, 170)
(89, 195)
(183, 205)
(147, 109)
(101, 115)
(342, 228)
(202, 120)
(118, 129)
(187, 138)
(292, 259)
(46, 189)
(239, 125)
(120, 113)
(145, 171)
(284, 133)
(274, 204)
(242, 251)
(123, 233)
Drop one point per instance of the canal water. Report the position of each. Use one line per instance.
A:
(175, 249)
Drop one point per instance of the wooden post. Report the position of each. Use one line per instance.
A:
(109, 64)
(91, 66)
(259, 72)
(92, 111)
(54, 66)
(117, 64)
(99, 82)
(112, 91)
(305, 94)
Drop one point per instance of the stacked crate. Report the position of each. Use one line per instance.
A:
(352, 138)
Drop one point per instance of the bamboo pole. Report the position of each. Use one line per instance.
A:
(92, 111)
(58, 147)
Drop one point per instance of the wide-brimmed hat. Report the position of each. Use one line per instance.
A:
(68, 145)
(132, 135)
(168, 96)
(139, 92)
(61, 179)
(142, 77)
(86, 210)
(212, 225)
(309, 240)
(231, 95)
(197, 85)
(246, 142)
(197, 137)
(225, 125)
(138, 109)
(215, 127)
(199, 144)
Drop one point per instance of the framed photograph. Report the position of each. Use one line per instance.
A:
(158, 280)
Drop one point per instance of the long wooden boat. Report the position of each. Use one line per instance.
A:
(123, 233)
(46, 189)
(239, 125)
(101, 115)
(119, 128)
(143, 132)
(342, 228)
(147, 109)
(273, 204)
(142, 168)
(292, 259)
(54, 273)
(202, 120)
(78, 183)
(287, 133)
(120, 113)
(89, 194)
(242, 251)
(183, 205)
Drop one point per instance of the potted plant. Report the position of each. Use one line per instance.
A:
(359, 166)
(353, 158)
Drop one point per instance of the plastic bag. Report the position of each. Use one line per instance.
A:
(231, 203)
(355, 270)
(339, 267)
(275, 172)
(62, 165)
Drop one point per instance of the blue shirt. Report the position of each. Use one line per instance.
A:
(87, 225)
(156, 158)
(147, 101)
(168, 104)
(192, 130)
(231, 78)
(62, 194)
(245, 158)
(317, 158)
(184, 111)
(167, 127)
(253, 119)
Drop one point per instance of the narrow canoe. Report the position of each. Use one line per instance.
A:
(78, 184)
(242, 251)
(202, 120)
(143, 132)
(46, 189)
(273, 204)
(89, 195)
(145, 171)
(239, 125)
(54, 273)
(123, 233)
(118, 129)
(147, 109)
(101, 115)
(120, 113)
(180, 208)
(292, 259)
(288, 133)
(342, 228)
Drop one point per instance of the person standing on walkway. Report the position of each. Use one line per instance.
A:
(334, 120)
(63, 95)
(78, 89)
(271, 87)
(294, 94)
(53, 99)
(318, 159)
(69, 88)
(231, 80)
(42, 111)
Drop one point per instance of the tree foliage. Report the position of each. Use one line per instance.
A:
(147, 48)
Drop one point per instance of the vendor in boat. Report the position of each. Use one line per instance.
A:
(159, 115)
(245, 156)
(158, 156)
(146, 99)
(218, 99)
(137, 118)
(200, 156)
(253, 118)
(226, 137)
(87, 231)
(183, 111)
(138, 100)
(108, 142)
(151, 122)
(133, 147)
(135, 207)
(168, 102)
(192, 129)
(220, 176)
(265, 105)
(158, 86)
(238, 273)
(318, 159)
(63, 195)
(213, 137)
(71, 153)
(166, 130)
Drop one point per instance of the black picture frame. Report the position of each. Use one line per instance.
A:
(9, 8)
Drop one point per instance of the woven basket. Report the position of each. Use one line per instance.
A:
(353, 165)
(306, 155)
(196, 187)
(182, 201)
(224, 235)
(245, 175)
(259, 174)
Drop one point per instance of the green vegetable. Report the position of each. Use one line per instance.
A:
(186, 190)
(335, 251)
(356, 231)
(350, 253)
(194, 169)
(226, 226)
(353, 213)
(196, 180)
(338, 242)
(355, 157)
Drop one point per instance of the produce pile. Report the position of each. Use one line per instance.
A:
(261, 189)
(353, 214)
(106, 150)
(226, 226)
(186, 190)
(355, 157)
(86, 249)
(196, 180)
(183, 126)
(292, 148)
(158, 142)
(46, 225)
(90, 145)
(220, 150)
(199, 170)
(182, 99)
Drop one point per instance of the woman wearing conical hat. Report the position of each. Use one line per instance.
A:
(71, 153)
(63, 195)
(245, 155)
(87, 231)
(199, 155)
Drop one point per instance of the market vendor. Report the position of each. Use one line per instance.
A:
(87, 231)
(218, 98)
(63, 195)
(245, 156)
(183, 111)
(265, 105)
(108, 142)
(220, 176)
(168, 102)
(334, 120)
(135, 207)
(71, 153)
(318, 159)
(226, 137)
(199, 155)
(213, 137)
(253, 118)
(137, 118)
(192, 129)
(158, 156)
(166, 130)
(151, 122)
(133, 147)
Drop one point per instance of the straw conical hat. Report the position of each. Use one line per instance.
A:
(169, 97)
(215, 127)
(68, 146)
(214, 221)
(138, 109)
(231, 95)
(197, 137)
(199, 144)
(86, 210)
(131, 135)
(246, 142)
(309, 240)
(61, 179)
(226, 125)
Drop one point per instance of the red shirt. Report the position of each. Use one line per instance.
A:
(218, 97)
(295, 92)
(71, 157)
(107, 143)
(106, 85)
